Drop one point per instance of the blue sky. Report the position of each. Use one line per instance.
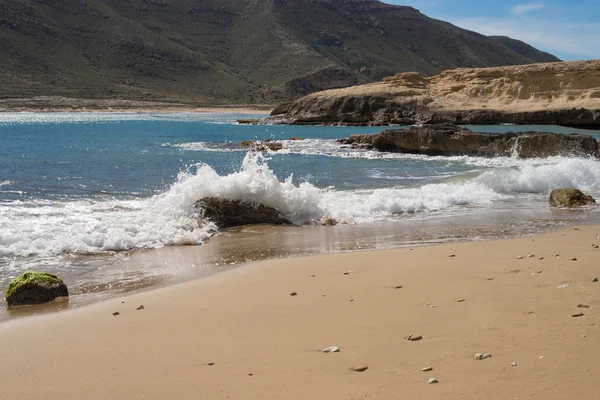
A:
(569, 29)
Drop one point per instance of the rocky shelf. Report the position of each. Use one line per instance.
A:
(565, 93)
(449, 139)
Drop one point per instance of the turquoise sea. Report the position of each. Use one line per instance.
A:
(106, 200)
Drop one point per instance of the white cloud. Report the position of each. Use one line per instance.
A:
(524, 8)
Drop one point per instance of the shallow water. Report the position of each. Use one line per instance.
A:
(92, 196)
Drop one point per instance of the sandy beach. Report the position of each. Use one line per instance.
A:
(266, 343)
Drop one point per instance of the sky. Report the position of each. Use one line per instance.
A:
(569, 29)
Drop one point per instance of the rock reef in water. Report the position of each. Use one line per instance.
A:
(563, 93)
(570, 198)
(229, 213)
(35, 288)
(449, 139)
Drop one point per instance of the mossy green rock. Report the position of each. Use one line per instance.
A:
(35, 288)
(570, 198)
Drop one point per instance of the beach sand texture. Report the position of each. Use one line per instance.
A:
(267, 344)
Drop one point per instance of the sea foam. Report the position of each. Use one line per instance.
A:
(84, 226)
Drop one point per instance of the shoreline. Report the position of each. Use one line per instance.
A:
(144, 270)
(145, 110)
(246, 322)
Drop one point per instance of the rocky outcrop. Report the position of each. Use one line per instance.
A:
(261, 146)
(229, 213)
(35, 288)
(553, 93)
(570, 198)
(448, 139)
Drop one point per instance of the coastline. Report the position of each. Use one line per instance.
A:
(245, 322)
(52, 104)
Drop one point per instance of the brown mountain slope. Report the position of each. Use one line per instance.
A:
(525, 50)
(564, 93)
(220, 51)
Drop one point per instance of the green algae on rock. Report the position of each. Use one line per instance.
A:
(570, 198)
(35, 288)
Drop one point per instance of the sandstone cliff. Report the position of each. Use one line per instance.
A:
(565, 93)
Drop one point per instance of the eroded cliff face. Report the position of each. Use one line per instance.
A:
(566, 93)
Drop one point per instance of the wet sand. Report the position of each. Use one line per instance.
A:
(97, 278)
(241, 334)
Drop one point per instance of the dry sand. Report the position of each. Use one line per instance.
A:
(246, 322)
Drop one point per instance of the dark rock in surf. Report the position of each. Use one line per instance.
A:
(229, 213)
(261, 146)
(35, 288)
(570, 198)
(449, 139)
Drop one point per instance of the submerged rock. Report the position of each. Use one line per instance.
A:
(35, 288)
(229, 213)
(449, 139)
(570, 198)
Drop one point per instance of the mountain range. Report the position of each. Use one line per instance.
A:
(228, 51)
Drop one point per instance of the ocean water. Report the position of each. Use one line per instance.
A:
(102, 198)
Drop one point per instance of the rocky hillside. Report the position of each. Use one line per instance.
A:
(552, 93)
(224, 51)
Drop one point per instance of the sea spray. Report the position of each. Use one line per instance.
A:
(84, 226)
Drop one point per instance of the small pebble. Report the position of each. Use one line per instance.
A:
(595, 246)
(541, 357)
(432, 306)
(347, 272)
(557, 255)
(520, 257)
(459, 300)
(427, 304)
(530, 255)
(539, 271)
(529, 312)
(398, 287)
(489, 279)
(293, 294)
(116, 313)
(514, 364)
(595, 280)
(482, 356)
(577, 315)
(583, 306)
(541, 258)
(140, 307)
(414, 338)
(312, 276)
(360, 368)
(451, 255)
(211, 363)
(573, 259)
(432, 380)
(566, 285)
(331, 349)
(250, 374)
(427, 369)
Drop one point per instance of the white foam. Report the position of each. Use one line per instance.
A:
(87, 226)
(12, 118)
